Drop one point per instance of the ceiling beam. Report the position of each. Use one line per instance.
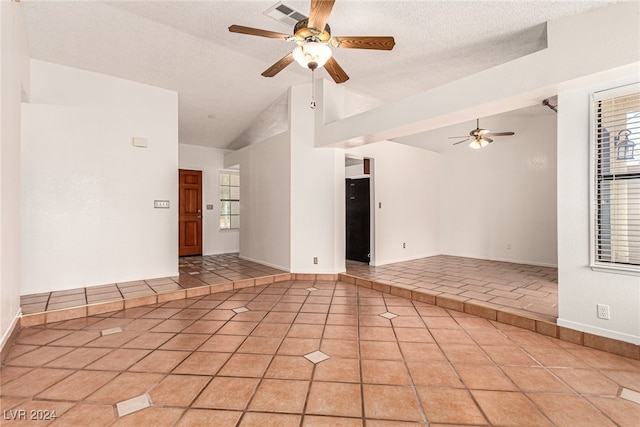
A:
(596, 45)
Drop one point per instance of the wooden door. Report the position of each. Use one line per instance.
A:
(358, 220)
(190, 213)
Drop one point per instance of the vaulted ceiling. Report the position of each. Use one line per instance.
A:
(185, 46)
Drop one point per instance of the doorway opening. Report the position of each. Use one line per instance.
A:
(358, 188)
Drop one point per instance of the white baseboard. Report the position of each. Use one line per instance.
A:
(619, 336)
(511, 260)
(10, 330)
(378, 263)
(518, 261)
(279, 267)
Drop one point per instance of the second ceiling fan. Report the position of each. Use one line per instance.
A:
(314, 42)
(480, 138)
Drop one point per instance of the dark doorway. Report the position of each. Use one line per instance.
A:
(358, 219)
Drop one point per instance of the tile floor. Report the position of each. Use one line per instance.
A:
(308, 353)
(527, 290)
(194, 272)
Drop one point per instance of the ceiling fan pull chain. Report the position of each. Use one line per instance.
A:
(313, 89)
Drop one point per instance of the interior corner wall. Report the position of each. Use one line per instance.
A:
(580, 288)
(265, 202)
(14, 79)
(499, 203)
(210, 161)
(406, 201)
(88, 194)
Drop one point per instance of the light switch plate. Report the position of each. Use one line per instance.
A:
(161, 204)
(139, 142)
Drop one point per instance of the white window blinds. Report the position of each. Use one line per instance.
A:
(616, 185)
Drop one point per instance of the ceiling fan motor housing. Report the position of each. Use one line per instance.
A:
(303, 32)
(313, 37)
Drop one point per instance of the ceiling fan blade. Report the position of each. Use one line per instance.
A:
(365, 42)
(487, 139)
(500, 134)
(460, 142)
(458, 137)
(335, 71)
(278, 66)
(319, 13)
(257, 32)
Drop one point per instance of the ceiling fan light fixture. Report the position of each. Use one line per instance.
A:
(312, 55)
(478, 143)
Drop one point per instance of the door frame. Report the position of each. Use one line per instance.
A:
(368, 171)
(191, 216)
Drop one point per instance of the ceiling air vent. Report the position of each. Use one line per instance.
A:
(283, 13)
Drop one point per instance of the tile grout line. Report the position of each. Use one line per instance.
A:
(452, 365)
(313, 368)
(557, 378)
(245, 409)
(518, 388)
(412, 383)
(359, 353)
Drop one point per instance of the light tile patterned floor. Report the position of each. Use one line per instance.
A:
(523, 289)
(198, 362)
(194, 272)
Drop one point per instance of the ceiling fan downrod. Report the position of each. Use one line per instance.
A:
(313, 88)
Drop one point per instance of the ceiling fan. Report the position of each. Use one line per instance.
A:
(480, 138)
(314, 41)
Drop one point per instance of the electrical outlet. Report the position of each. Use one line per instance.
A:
(508, 245)
(315, 259)
(404, 245)
(603, 311)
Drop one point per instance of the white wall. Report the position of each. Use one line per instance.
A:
(87, 192)
(265, 200)
(581, 288)
(406, 183)
(504, 194)
(354, 171)
(292, 202)
(210, 161)
(14, 79)
(317, 193)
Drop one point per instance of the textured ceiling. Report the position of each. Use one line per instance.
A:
(443, 139)
(185, 46)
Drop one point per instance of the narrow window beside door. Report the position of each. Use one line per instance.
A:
(229, 200)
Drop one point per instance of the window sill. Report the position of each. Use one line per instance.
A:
(616, 269)
(228, 230)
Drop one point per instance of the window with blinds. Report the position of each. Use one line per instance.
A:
(616, 184)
